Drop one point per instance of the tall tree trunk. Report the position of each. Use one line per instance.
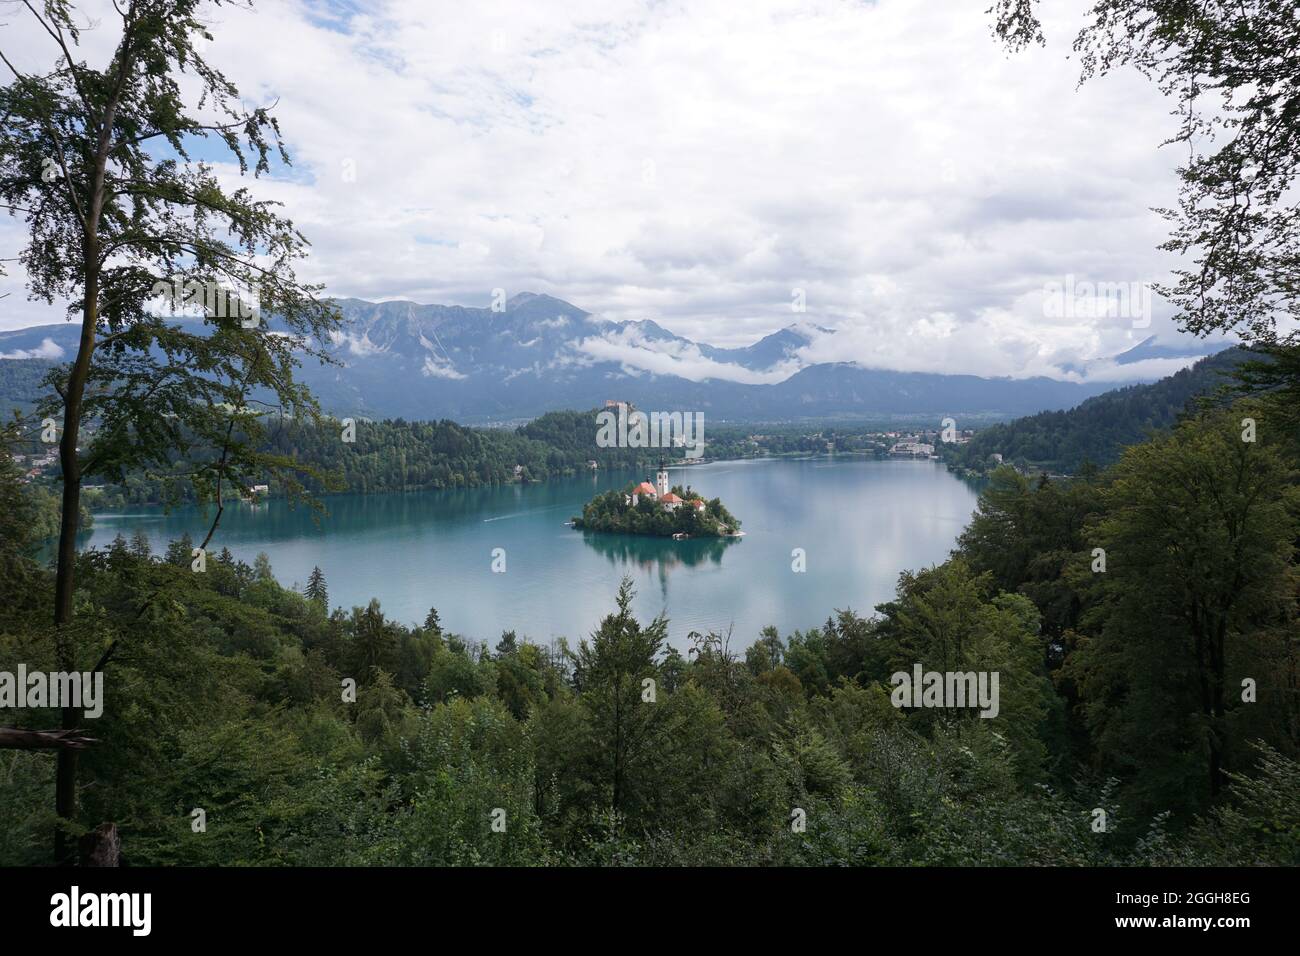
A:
(1218, 729)
(65, 781)
(102, 846)
(617, 796)
(1204, 668)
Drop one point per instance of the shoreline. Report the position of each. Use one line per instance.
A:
(93, 491)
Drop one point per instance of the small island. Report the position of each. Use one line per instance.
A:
(656, 509)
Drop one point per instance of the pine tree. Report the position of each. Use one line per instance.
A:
(316, 591)
(508, 645)
(262, 567)
(374, 641)
(140, 545)
(609, 671)
(180, 551)
(431, 622)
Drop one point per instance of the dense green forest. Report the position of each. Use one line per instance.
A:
(613, 511)
(397, 455)
(1160, 690)
(20, 384)
(1098, 429)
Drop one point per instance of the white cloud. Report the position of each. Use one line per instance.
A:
(673, 357)
(1107, 371)
(356, 344)
(696, 163)
(434, 369)
(48, 349)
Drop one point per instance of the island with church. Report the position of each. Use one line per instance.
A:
(660, 510)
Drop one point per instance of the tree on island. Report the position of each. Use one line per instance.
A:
(613, 511)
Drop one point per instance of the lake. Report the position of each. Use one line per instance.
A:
(859, 522)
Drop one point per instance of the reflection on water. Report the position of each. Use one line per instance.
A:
(860, 523)
(648, 551)
(657, 557)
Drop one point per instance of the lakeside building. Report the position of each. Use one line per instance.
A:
(910, 448)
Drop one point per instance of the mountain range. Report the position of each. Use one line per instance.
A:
(538, 353)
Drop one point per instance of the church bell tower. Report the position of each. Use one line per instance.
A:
(661, 479)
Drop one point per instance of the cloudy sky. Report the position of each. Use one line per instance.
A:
(710, 165)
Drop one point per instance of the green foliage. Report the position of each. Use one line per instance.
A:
(1231, 75)
(613, 511)
(120, 220)
(1258, 826)
(317, 591)
(228, 696)
(1094, 433)
(397, 455)
(470, 769)
(1198, 530)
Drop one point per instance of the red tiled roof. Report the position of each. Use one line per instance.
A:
(671, 497)
(645, 488)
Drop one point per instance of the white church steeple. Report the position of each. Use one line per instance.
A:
(661, 479)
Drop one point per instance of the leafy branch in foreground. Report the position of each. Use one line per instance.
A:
(96, 161)
(1232, 73)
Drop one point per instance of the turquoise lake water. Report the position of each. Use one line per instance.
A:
(859, 522)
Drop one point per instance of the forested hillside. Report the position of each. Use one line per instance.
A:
(1099, 428)
(397, 455)
(1158, 687)
(20, 383)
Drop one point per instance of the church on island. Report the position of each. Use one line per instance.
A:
(657, 509)
(660, 493)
